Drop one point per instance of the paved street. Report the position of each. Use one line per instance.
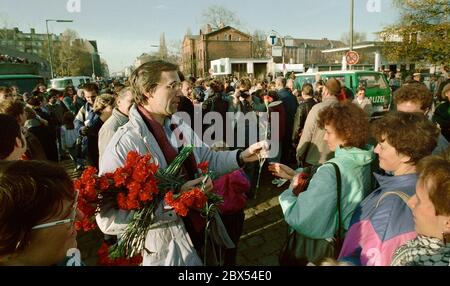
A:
(263, 235)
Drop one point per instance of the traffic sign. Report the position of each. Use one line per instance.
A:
(272, 39)
(352, 57)
(277, 51)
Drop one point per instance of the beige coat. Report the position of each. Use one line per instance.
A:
(312, 147)
(167, 239)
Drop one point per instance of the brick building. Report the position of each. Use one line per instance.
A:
(199, 50)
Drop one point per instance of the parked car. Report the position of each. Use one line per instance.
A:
(61, 83)
(376, 84)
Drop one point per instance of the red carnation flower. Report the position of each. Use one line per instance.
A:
(103, 183)
(267, 99)
(204, 167)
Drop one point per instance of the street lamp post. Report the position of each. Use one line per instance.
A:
(352, 8)
(49, 42)
(93, 67)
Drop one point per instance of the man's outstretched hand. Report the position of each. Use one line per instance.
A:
(255, 152)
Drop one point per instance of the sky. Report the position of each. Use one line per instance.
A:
(124, 29)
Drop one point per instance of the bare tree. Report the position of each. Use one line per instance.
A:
(65, 54)
(259, 44)
(72, 56)
(217, 15)
(357, 37)
(175, 48)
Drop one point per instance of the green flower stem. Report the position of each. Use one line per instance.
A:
(132, 242)
(263, 160)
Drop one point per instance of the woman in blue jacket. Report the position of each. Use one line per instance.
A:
(313, 213)
(383, 221)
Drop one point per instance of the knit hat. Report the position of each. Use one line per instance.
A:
(333, 86)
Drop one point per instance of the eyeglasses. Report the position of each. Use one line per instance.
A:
(176, 85)
(71, 219)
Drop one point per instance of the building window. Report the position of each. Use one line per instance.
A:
(226, 37)
(222, 68)
(229, 37)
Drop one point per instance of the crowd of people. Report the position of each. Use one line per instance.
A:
(14, 60)
(392, 173)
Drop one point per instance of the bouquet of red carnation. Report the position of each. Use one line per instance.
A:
(137, 186)
(195, 198)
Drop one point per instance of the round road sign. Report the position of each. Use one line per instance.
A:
(352, 58)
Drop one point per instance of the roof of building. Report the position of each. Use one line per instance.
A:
(226, 28)
(318, 43)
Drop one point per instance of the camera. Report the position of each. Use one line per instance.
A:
(244, 93)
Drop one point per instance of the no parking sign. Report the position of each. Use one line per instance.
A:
(352, 58)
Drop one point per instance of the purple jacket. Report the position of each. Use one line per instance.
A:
(376, 232)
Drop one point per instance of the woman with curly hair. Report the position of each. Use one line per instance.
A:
(383, 221)
(313, 213)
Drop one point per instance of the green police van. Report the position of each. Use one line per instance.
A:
(376, 84)
(25, 82)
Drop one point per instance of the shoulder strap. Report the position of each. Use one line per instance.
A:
(338, 193)
(400, 194)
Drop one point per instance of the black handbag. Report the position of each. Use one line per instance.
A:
(79, 147)
(299, 249)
